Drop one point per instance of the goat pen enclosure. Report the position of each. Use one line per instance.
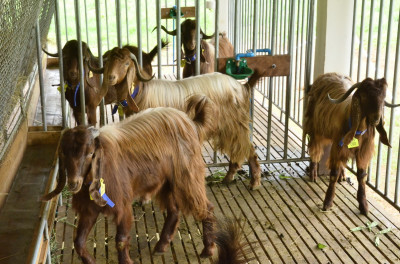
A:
(275, 214)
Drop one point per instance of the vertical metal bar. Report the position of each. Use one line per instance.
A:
(370, 30)
(139, 31)
(100, 52)
(108, 37)
(205, 15)
(197, 36)
(158, 14)
(301, 75)
(289, 81)
(40, 71)
(271, 81)
(65, 21)
(377, 68)
(397, 188)
(178, 40)
(394, 95)
(216, 24)
(81, 70)
(126, 20)
(255, 35)
(118, 16)
(236, 28)
(147, 26)
(86, 23)
(47, 237)
(353, 37)
(60, 63)
(360, 48)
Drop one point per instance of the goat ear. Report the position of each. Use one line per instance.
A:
(382, 134)
(96, 173)
(355, 116)
(130, 78)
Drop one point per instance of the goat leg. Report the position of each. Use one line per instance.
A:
(77, 115)
(122, 238)
(168, 231)
(313, 171)
(342, 175)
(85, 224)
(361, 196)
(208, 233)
(330, 193)
(233, 167)
(255, 181)
(91, 115)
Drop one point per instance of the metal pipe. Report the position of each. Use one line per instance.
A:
(139, 31)
(179, 42)
(40, 71)
(118, 16)
(216, 34)
(224, 164)
(236, 28)
(86, 24)
(371, 20)
(100, 52)
(47, 237)
(353, 36)
(397, 188)
(108, 37)
(81, 69)
(60, 63)
(147, 25)
(126, 21)
(65, 21)
(360, 48)
(158, 17)
(197, 36)
(255, 35)
(289, 80)
(271, 81)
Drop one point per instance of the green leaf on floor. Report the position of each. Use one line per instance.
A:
(217, 176)
(358, 228)
(384, 231)
(283, 177)
(377, 239)
(371, 225)
(321, 246)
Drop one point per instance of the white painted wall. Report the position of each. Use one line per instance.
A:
(333, 36)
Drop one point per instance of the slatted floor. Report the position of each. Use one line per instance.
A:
(284, 223)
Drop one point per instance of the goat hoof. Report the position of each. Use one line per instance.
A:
(364, 210)
(158, 253)
(159, 249)
(254, 187)
(207, 252)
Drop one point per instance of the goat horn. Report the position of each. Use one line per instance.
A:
(139, 73)
(173, 32)
(206, 36)
(62, 179)
(50, 54)
(341, 99)
(391, 105)
(95, 70)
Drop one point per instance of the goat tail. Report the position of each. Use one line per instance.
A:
(230, 239)
(154, 51)
(204, 114)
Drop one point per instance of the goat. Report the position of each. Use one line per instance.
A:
(93, 93)
(154, 153)
(231, 97)
(339, 121)
(207, 50)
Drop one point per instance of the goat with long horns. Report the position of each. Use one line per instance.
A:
(348, 123)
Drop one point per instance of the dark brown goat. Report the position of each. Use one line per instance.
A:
(207, 50)
(339, 121)
(154, 153)
(232, 99)
(93, 93)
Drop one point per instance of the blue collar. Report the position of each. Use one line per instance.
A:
(123, 103)
(76, 90)
(190, 59)
(358, 133)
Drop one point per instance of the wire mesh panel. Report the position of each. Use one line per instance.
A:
(18, 59)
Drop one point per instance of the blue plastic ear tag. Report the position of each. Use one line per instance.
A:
(353, 143)
(103, 194)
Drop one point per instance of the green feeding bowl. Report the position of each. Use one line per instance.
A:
(239, 73)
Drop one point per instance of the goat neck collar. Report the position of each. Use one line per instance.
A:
(76, 90)
(124, 103)
(358, 132)
(190, 59)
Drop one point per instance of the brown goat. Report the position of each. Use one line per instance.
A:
(231, 97)
(154, 153)
(207, 49)
(93, 93)
(339, 121)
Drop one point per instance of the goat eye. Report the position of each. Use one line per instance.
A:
(127, 64)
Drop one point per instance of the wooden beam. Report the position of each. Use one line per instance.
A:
(264, 65)
(189, 11)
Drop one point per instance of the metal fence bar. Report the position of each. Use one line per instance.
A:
(126, 21)
(371, 20)
(179, 42)
(353, 37)
(360, 48)
(86, 23)
(40, 71)
(118, 16)
(139, 31)
(158, 14)
(147, 26)
(60, 62)
(236, 28)
(255, 37)
(216, 30)
(81, 69)
(100, 52)
(65, 20)
(197, 71)
(108, 36)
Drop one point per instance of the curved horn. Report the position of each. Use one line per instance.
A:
(95, 70)
(139, 73)
(50, 54)
(391, 105)
(173, 32)
(341, 99)
(206, 36)
(62, 179)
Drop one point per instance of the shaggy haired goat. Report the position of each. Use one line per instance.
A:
(338, 121)
(93, 94)
(231, 97)
(154, 153)
(207, 49)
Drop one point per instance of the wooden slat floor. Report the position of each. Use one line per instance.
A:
(284, 221)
